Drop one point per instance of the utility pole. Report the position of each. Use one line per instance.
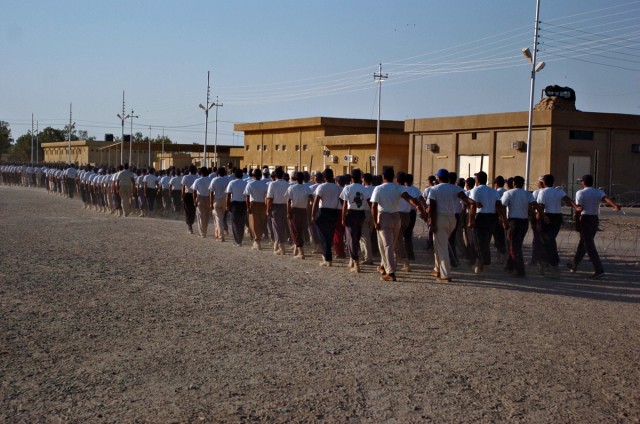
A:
(149, 164)
(217, 104)
(131, 135)
(37, 149)
(206, 121)
(122, 117)
(32, 138)
(162, 158)
(378, 78)
(71, 126)
(534, 69)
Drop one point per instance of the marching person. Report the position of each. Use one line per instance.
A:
(298, 201)
(276, 203)
(589, 199)
(385, 204)
(236, 205)
(518, 202)
(325, 213)
(255, 192)
(551, 200)
(201, 198)
(483, 219)
(187, 197)
(354, 205)
(442, 220)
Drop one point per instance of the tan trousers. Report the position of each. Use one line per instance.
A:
(257, 220)
(125, 196)
(388, 238)
(445, 225)
(202, 213)
(219, 207)
(365, 239)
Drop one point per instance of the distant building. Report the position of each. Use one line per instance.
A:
(85, 152)
(565, 142)
(311, 144)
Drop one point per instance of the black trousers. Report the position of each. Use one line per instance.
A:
(238, 219)
(548, 235)
(326, 223)
(516, 232)
(353, 230)
(483, 229)
(408, 235)
(588, 229)
(189, 209)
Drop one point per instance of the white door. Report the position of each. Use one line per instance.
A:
(468, 165)
(578, 166)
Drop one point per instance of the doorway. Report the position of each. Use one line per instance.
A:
(578, 166)
(468, 165)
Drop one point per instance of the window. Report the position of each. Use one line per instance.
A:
(246, 148)
(580, 135)
(297, 148)
(305, 147)
(264, 148)
(474, 136)
(284, 147)
(259, 147)
(277, 147)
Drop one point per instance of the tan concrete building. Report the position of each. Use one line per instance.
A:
(311, 144)
(162, 157)
(565, 143)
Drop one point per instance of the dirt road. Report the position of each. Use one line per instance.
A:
(107, 319)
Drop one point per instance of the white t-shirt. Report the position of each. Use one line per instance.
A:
(299, 195)
(589, 198)
(551, 198)
(388, 197)
(356, 196)
(329, 194)
(151, 180)
(405, 206)
(187, 182)
(277, 191)
(517, 202)
(446, 196)
(486, 196)
(256, 190)
(218, 186)
(175, 183)
(236, 188)
(201, 186)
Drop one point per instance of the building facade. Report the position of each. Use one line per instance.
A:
(312, 144)
(565, 143)
(160, 156)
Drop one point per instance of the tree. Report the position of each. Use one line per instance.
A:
(21, 151)
(51, 135)
(5, 137)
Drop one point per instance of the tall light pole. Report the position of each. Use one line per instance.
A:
(122, 117)
(535, 67)
(131, 135)
(32, 138)
(206, 120)
(378, 78)
(37, 149)
(217, 104)
(71, 127)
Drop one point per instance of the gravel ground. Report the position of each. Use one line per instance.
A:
(107, 319)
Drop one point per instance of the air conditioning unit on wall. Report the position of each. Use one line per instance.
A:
(350, 158)
(519, 145)
(332, 158)
(431, 147)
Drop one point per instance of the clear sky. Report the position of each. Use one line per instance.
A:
(282, 59)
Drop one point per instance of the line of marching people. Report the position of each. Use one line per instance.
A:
(355, 217)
